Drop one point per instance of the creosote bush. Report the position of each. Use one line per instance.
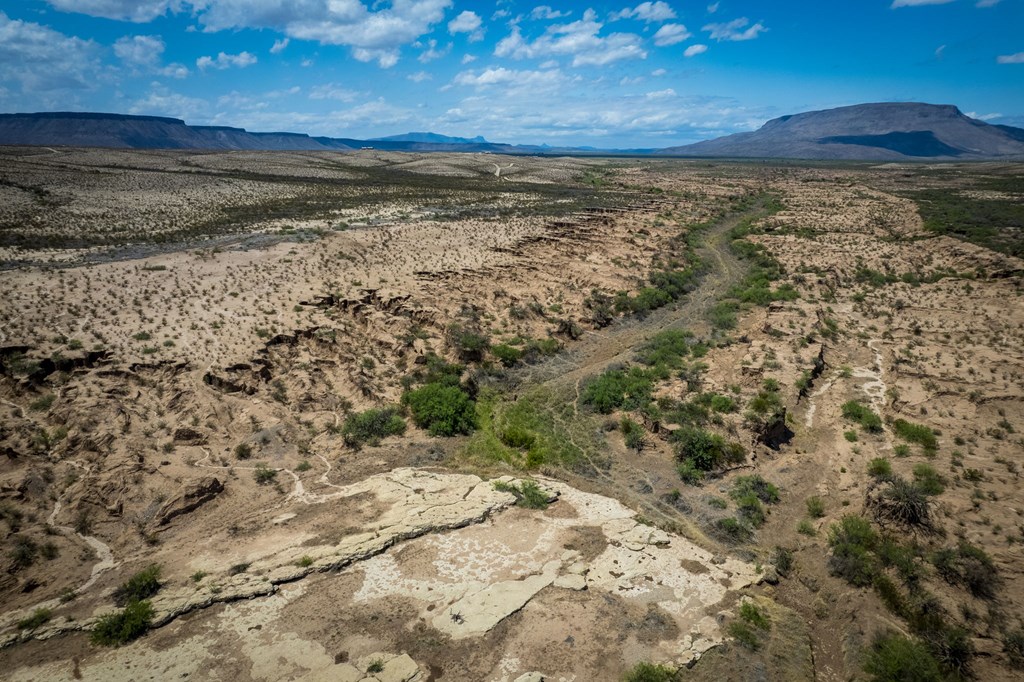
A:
(371, 426)
(121, 627)
(142, 585)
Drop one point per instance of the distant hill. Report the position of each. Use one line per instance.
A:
(75, 129)
(432, 138)
(870, 132)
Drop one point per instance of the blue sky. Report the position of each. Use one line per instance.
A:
(608, 74)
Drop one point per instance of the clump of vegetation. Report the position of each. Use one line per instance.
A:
(650, 672)
(371, 426)
(903, 502)
(969, 566)
(862, 414)
(264, 475)
(528, 494)
(895, 657)
(243, 451)
(443, 410)
(916, 433)
(815, 507)
(880, 467)
(142, 585)
(619, 388)
(39, 617)
(633, 434)
(853, 542)
(699, 451)
(928, 479)
(750, 492)
(121, 627)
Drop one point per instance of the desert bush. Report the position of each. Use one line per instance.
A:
(895, 657)
(243, 451)
(371, 426)
(863, 415)
(815, 507)
(880, 467)
(928, 479)
(744, 634)
(442, 410)
(903, 502)
(667, 348)
(649, 672)
(915, 433)
(619, 388)
(528, 494)
(142, 585)
(853, 541)
(38, 618)
(506, 354)
(705, 450)
(264, 475)
(121, 627)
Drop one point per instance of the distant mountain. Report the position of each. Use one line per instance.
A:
(432, 138)
(869, 132)
(74, 129)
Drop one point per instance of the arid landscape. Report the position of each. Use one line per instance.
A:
(395, 416)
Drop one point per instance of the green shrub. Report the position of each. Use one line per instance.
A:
(753, 615)
(744, 634)
(757, 486)
(264, 475)
(43, 403)
(123, 626)
(815, 507)
(649, 672)
(618, 388)
(442, 410)
(633, 434)
(706, 451)
(142, 585)
(667, 348)
(880, 467)
(38, 618)
(371, 426)
(863, 415)
(895, 657)
(506, 354)
(528, 494)
(469, 345)
(853, 540)
(243, 451)
(1013, 645)
(805, 527)
(732, 530)
(904, 502)
(689, 473)
(915, 433)
(928, 479)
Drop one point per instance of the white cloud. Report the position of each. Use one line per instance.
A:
(139, 11)
(40, 59)
(333, 91)
(509, 77)
(658, 73)
(694, 50)
(174, 70)
(731, 30)
(646, 11)
(545, 12)
(419, 77)
(279, 46)
(626, 80)
(467, 58)
(1011, 58)
(467, 22)
(982, 117)
(579, 39)
(139, 50)
(163, 102)
(713, 7)
(670, 34)
(432, 53)
(226, 61)
(661, 94)
(986, 3)
(917, 3)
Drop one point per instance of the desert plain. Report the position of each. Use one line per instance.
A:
(389, 416)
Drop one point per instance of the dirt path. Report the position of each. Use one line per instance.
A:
(595, 352)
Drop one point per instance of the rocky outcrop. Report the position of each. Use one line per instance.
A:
(190, 498)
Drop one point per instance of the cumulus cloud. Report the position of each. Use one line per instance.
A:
(226, 61)
(670, 34)
(333, 91)
(661, 94)
(139, 11)
(40, 59)
(419, 77)
(713, 7)
(374, 33)
(1011, 58)
(578, 39)
(279, 46)
(694, 50)
(431, 52)
(163, 102)
(508, 77)
(917, 3)
(732, 30)
(646, 11)
(467, 22)
(544, 12)
(139, 50)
